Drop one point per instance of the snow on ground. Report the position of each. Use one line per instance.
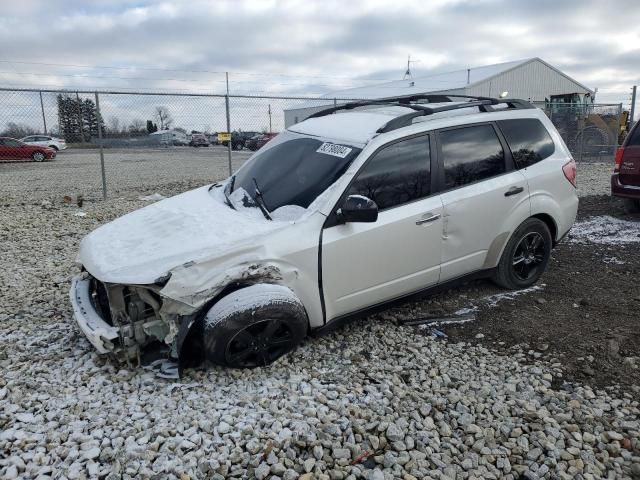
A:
(605, 229)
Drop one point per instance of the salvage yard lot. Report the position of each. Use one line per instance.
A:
(140, 169)
(544, 383)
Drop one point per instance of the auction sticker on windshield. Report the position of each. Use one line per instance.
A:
(333, 149)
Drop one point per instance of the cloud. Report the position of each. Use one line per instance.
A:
(300, 47)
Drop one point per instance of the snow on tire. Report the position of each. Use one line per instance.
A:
(254, 326)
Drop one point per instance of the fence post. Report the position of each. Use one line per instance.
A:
(226, 99)
(104, 178)
(44, 120)
(80, 121)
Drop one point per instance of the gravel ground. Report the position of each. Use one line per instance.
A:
(77, 172)
(419, 406)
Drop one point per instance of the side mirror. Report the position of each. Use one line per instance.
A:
(357, 208)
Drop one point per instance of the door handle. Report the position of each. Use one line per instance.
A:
(432, 218)
(513, 191)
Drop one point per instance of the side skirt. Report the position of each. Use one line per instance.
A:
(340, 321)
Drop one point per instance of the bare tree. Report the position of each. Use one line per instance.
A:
(163, 116)
(114, 125)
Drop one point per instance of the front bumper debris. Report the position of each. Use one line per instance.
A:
(98, 332)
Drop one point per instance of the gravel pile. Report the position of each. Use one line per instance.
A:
(374, 400)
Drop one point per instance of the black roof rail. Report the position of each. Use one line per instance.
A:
(485, 104)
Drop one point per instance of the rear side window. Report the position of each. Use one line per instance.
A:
(528, 140)
(471, 154)
(634, 138)
(397, 174)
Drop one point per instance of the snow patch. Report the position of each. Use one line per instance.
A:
(613, 260)
(152, 198)
(493, 300)
(288, 213)
(253, 297)
(605, 229)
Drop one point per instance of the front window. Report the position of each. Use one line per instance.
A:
(293, 170)
(10, 142)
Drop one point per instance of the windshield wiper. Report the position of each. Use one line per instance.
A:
(230, 187)
(260, 200)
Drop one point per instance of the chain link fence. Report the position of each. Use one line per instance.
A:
(118, 143)
(591, 131)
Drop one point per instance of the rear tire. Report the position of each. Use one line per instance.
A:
(525, 257)
(254, 326)
(631, 205)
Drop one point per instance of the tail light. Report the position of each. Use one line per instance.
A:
(619, 155)
(569, 170)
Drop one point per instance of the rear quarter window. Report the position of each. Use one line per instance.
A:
(634, 138)
(528, 139)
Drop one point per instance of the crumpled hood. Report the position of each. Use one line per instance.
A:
(146, 244)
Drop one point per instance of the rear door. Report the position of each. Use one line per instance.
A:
(364, 264)
(630, 165)
(483, 196)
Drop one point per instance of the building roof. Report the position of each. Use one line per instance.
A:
(441, 82)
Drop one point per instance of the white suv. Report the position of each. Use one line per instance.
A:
(359, 205)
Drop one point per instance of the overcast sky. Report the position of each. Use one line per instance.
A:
(307, 47)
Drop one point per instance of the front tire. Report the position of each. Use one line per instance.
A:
(525, 257)
(254, 326)
(38, 156)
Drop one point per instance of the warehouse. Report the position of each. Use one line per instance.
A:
(530, 79)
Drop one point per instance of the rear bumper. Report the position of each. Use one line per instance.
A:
(98, 332)
(619, 189)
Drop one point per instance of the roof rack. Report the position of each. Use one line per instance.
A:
(485, 104)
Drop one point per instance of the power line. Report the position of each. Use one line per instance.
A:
(256, 74)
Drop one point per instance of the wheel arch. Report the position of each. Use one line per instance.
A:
(189, 340)
(550, 223)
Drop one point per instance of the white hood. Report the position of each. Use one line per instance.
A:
(146, 244)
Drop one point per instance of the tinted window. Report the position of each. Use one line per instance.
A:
(397, 174)
(12, 143)
(634, 139)
(471, 154)
(528, 140)
(294, 170)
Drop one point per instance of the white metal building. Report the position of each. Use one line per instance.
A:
(529, 79)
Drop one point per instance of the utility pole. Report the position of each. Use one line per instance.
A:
(270, 118)
(407, 73)
(44, 120)
(632, 111)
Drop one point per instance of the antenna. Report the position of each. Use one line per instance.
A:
(407, 73)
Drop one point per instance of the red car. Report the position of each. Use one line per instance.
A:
(625, 181)
(12, 149)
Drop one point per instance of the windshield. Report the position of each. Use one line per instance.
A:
(293, 170)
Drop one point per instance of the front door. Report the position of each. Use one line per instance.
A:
(364, 264)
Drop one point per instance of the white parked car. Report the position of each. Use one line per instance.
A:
(352, 208)
(45, 141)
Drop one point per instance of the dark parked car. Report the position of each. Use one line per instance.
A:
(198, 140)
(238, 140)
(258, 141)
(12, 149)
(625, 181)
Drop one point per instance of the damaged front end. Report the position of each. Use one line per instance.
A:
(125, 319)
